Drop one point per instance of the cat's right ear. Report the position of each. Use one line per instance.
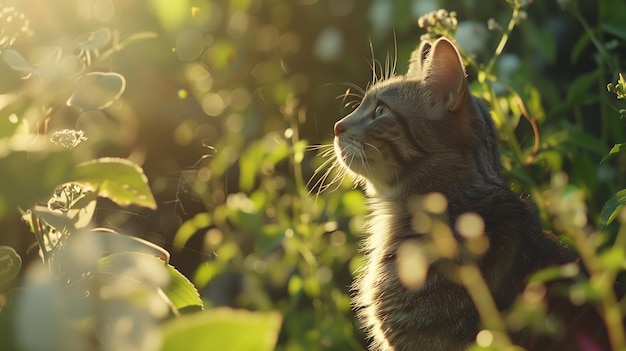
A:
(418, 56)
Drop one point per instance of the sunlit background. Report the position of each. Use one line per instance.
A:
(211, 97)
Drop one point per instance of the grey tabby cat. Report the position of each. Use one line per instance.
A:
(416, 134)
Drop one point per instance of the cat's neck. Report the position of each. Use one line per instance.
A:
(455, 184)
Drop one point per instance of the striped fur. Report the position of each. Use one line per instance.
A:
(412, 135)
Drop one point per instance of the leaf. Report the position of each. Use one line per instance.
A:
(579, 90)
(117, 179)
(617, 29)
(223, 329)
(612, 209)
(135, 269)
(94, 40)
(182, 293)
(10, 264)
(48, 68)
(616, 149)
(111, 242)
(30, 175)
(583, 139)
(270, 237)
(57, 220)
(189, 228)
(205, 272)
(613, 259)
(354, 203)
(569, 270)
(72, 65)
(534, 103)
(17, 62)
(97, 90)
(579, 47)
(250, 162)
(83, 209)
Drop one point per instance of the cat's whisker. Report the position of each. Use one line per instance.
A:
(331, 168)
(352, 104)
(344, 97)
(395, 171)
(331, 161)
(395, 53)
(319, 147)
(319, 184)
(359, 90)
(381, 70)
(375, 149)
(373, 65)
(337, 179)
(388, 68)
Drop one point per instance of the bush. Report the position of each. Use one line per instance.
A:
(201, 129)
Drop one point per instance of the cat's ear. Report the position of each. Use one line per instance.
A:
(418, 56)
(444, 73)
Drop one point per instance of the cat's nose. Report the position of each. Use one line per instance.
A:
(339, 128)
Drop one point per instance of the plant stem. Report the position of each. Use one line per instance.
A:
(606, 57)
(602, 281)
(507, 128)
(478, 290)
(503, 40)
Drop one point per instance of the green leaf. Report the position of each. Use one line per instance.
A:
(182, 293)
(579, 47)
(30, 175)
(583, 139)
(612, 208)
(223, 329)
(206, 272)
(354, 203)
(10, 264)
(97, 90)
(189, 228)
(552, 273)
(579, 91)
(17, 62)
(271, 237)
(615, 28)
(613, 259)
(534, 103)
(117, 179)
(616, 149)
(250, 162)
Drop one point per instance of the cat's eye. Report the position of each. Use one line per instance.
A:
(380, 110)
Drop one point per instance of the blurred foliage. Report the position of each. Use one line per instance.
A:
(219, 101)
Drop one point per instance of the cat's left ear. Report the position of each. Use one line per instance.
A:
(418, 56)
(444, 73)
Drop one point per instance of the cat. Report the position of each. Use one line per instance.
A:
(424, 133)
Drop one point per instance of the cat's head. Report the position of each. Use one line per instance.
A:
(422, 131)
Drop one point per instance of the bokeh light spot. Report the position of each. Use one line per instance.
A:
(412, 265)
(484, 338)
(189, 45)
(329, 45)
(470, 225)
(435, 203)
(213, 104)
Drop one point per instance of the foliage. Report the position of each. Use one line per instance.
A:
(193, 124)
